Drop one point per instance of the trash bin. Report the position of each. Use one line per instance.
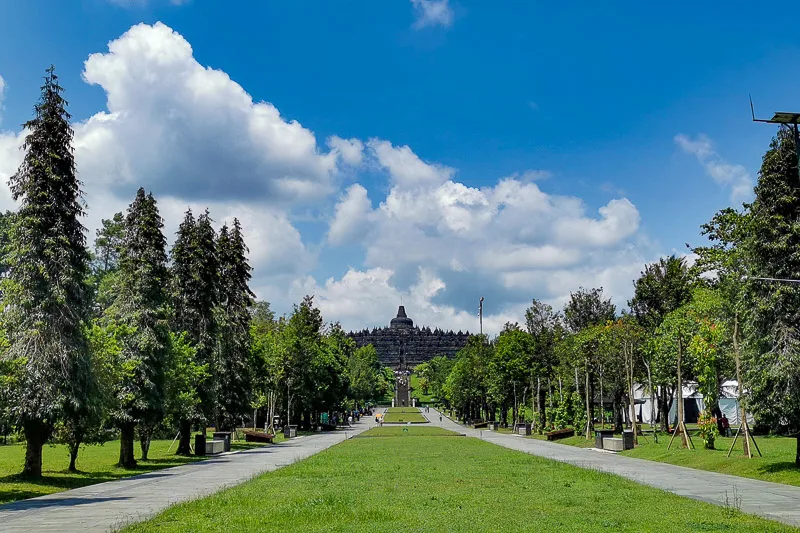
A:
(200, 444)
(627, 439)
(290, 432)
(599, 434)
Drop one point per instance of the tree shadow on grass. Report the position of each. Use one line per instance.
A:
(16, 487)
(782, 466)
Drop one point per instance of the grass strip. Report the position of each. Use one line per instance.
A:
(444, 484)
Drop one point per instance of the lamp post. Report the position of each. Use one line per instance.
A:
(782, 117)
(480, 314)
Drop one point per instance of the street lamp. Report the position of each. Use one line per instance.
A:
(782, 117)
(480, 314)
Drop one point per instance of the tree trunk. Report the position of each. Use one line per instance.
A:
(144, 442)
(592, 393)
(540, 398)
(664, 404)
(618, 411)
(73, 455)
(185, 443)
(36, 434)
(796, 453)
(126, 439)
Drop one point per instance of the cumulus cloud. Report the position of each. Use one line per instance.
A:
(351, 151)
(728, 175)
(405, 168)
(187, 130)
(197, 139)
(351, 217)
(368, 298)
(429, 13)
(509, 241)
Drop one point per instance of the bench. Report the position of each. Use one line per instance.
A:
(214, 447)
(257, 436)
(613, 444)
(560, 434)
(479, 425)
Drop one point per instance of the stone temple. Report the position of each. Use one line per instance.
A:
(402, 345)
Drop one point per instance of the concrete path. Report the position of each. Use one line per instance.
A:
(770, 500)
(108, 506)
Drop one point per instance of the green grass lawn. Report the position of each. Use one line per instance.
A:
(413, 431)
(404, 414)
(443, 484)
(96, 464)
(777, 464)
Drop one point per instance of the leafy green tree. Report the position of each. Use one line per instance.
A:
(47, 298)
(329, 370)
(301, 345)
(773, 309)
(663, 287)
(266, 358)
(184, 379)
(466, 386)
(363, 373)
(587, 308)
(6, 224)
(141, 305)
(435, 373)
(545, 326)
(233, 327)
(508, 370)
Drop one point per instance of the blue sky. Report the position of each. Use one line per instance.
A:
(640, 110)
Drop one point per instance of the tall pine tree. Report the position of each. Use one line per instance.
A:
(233, 320)
(47, 298)
(195, 278)
(141, 306)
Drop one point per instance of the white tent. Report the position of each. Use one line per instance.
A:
(693, 404)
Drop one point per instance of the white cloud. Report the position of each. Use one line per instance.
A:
(351, 217)
(510, 241)
(620, 219)
(350, 150)
(363, 299)
(11, 156)
(405, 168)
(432, 13)
(187, 130)
(197, 139)
(734, 176)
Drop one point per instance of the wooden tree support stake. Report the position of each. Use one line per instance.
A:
(743, 426)
(680, 427)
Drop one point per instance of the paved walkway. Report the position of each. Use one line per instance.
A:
(107, 506)
(771, 500)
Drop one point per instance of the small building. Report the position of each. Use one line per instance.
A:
(693, 404)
